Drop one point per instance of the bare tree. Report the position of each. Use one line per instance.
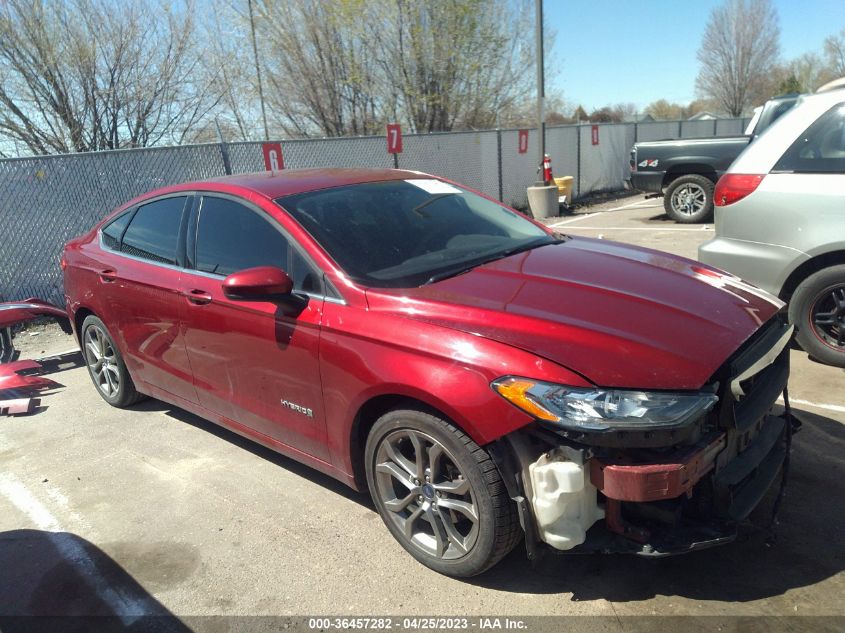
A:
(458, 63)
(227, 66)
(834, 52)
(81, 75)
(347, 67)
(320, 72)
(738, 53)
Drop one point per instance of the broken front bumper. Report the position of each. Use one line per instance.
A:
(613, 497)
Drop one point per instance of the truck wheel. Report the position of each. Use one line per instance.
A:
(439, 493)
(689, 199)
(818, 311)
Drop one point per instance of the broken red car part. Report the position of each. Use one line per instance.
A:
(14, 312)
(11, 379)
(654, 481)
(19, 406)
(15, 388)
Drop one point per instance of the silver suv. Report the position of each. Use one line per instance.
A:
(780, 220)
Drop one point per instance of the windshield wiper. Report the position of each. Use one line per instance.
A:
(454, 272)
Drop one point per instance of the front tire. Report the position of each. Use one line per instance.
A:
(439, 493)
(689, 199)
(817, 309)
(105, 365)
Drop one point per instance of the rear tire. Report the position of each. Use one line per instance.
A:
(439, 493)
(105, 365)
(689, 199)
(817, 309)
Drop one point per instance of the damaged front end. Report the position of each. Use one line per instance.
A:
(653, 473)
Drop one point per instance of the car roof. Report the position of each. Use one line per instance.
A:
(276, 184)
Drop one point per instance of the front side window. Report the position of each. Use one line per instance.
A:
(232, 237)
(404, 233)
(820, 149)
(153, 232)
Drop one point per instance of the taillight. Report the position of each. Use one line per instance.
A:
(63, 262)
(734, 187)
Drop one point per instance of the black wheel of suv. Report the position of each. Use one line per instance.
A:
(439, 493)
(689, 199)
(105, 365)
(817, 309)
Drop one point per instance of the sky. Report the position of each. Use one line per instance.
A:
(621, 51)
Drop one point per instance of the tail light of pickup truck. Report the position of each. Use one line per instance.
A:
(734, 187)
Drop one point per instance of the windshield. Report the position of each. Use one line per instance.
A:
(404, 233)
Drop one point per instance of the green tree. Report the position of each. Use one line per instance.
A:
(790, 84)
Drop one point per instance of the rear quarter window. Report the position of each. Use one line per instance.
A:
(820, 149)
(113, 231)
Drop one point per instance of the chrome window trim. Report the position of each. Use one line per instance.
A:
(201, 273)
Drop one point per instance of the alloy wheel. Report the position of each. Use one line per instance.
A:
(689, 199)
(827, 317)
(102, 361)
(425, 494)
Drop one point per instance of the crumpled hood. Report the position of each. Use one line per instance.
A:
(620, 315)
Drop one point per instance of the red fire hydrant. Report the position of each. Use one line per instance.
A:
(547, 169)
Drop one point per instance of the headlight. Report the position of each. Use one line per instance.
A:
(581, 409)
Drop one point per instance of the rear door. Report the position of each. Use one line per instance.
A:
(140, 286)
(253, 362)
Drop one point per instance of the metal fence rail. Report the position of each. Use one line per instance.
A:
(46, 200)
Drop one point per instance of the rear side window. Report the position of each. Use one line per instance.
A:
(113, 231)
(153, 232)
(820, 149)
(232, 237)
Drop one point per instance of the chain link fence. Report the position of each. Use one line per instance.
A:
(47, 200)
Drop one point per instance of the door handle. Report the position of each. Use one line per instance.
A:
(108, 275)
(197, 297)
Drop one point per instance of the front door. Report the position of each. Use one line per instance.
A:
(253, 362)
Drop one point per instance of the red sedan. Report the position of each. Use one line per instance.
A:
(483, 377)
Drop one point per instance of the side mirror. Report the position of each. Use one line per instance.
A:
(262, 283)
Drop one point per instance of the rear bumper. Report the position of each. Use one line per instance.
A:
(649, 181)
(764, 265)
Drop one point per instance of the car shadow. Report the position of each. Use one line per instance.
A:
(298, 468)
(809, 548)
(60, 362)
(58, 581)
